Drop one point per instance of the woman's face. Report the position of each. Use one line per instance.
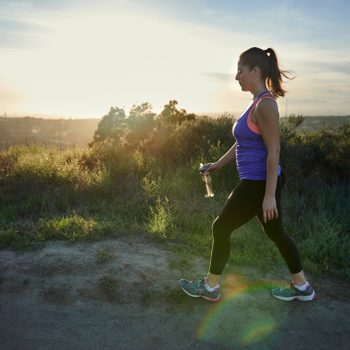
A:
(244, 77)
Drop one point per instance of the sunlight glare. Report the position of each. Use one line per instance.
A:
(93, 60)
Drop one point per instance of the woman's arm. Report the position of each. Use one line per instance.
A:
(268, 121)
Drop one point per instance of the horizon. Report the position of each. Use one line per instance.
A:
(208, 114)
(77, 59)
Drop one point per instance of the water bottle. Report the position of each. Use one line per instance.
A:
(206, 179)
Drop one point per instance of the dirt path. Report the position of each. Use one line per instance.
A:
(123, 294)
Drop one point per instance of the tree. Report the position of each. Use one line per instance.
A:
(171, 114)
(110, 125)
(140, 124)
(141, 111)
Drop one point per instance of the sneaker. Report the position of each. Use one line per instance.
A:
(197, 289)
(292, 293)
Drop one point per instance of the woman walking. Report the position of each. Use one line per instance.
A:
(258, 192)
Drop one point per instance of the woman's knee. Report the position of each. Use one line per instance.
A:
(276, 233)
(219, 229)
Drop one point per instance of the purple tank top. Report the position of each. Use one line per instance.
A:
(251, 152)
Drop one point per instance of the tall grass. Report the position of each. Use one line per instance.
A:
(122, 187)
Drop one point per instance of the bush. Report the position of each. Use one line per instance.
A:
(72, 228)
(138, 178)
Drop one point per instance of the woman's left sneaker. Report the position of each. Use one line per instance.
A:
(292, 293)
(198, 289)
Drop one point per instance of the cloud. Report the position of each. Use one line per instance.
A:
(219, 77)
(8, 24)
(341, 66)
(28, 5)
(20, 33)
(20, 40)
(90, 55)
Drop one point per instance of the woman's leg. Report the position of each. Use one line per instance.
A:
(275, 230)
(300, 289)
(240, 207)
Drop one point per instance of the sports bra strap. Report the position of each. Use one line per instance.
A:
(264, 97)
(252, 126)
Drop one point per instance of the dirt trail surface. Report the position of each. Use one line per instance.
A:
(123, 294)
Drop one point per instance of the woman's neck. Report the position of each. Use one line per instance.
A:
(259, 90)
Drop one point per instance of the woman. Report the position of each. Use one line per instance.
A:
(258, 192)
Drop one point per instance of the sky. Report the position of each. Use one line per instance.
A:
(78, 58)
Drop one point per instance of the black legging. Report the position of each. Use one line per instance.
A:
(243, 204)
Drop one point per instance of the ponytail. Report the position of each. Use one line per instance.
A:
(267, 62)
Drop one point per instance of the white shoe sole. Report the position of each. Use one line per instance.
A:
(297, 297)
(201, 296)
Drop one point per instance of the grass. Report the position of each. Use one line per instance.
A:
(74, 195)
(104, 255)
(161, 218)
(109, 287)
(72, 228)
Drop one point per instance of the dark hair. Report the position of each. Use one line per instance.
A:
(266, 61)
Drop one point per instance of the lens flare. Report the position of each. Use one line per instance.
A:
(257, 330)
(238, 319)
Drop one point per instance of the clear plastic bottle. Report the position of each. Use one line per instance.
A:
(206, 179)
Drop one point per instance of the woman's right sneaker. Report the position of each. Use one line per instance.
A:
(292, 293)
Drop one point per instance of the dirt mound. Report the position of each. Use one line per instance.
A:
(123, 294)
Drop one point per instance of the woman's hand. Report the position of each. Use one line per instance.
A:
(210, 167)
(269, 208)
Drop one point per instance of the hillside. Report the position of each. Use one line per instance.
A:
(61, 133)
(65, 133)
(315, 123)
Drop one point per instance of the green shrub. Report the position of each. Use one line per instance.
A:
(326, 247)
(72, 228)
(132, 180)
(161, 218)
